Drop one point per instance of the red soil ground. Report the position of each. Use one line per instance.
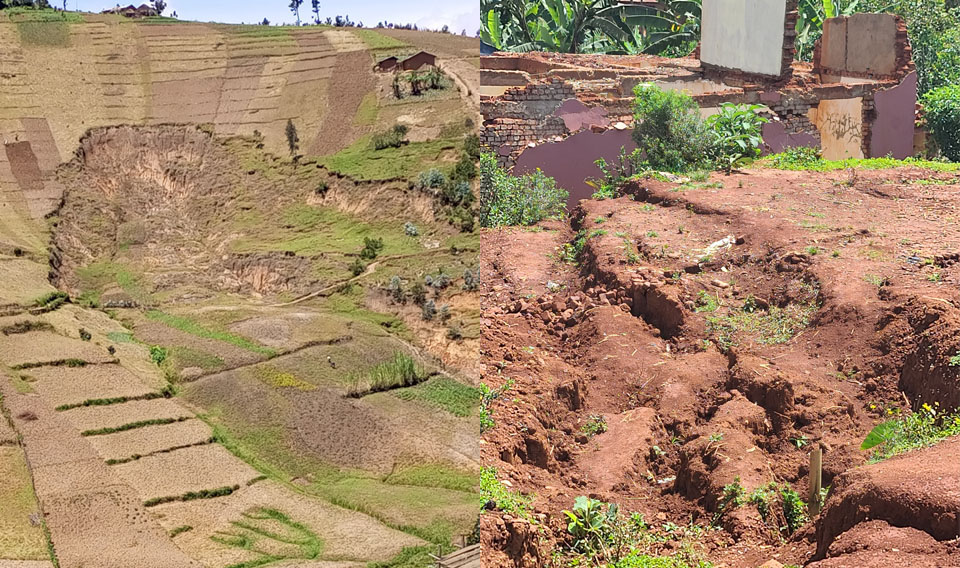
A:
(869, 257)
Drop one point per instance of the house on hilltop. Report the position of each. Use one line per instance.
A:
(388, 64)
(418, 60)
(131, 11)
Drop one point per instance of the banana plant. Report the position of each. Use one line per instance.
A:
(576, 26)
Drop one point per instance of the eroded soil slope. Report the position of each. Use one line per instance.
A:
(722, 330)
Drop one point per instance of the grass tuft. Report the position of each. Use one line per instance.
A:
(133, 426)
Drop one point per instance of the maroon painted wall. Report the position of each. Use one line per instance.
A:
(571, 161)
(892, 131)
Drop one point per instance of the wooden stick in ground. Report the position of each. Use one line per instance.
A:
(816, 462)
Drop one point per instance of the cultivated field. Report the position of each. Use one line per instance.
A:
(216, 353)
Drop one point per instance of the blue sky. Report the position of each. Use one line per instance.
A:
(458, 14)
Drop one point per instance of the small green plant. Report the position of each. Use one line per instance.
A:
(652, 234)
(794, 509)
(813, 251)
(733, 496)
(357, 267)
(707, 302)
(51, 301)
(84, 334)
(590, 525)
(158, 354)
(919, 429)
(410, 229)
(371, 248)
(495, 495)
(955, 360)
(797, 158)
(487, 396)
(505, 199)
(736, 130)
(595, 424)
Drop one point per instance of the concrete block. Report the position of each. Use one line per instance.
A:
(745, 35)
(833, 44)
(872, 43)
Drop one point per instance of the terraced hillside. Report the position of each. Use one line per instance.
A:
(216, 354)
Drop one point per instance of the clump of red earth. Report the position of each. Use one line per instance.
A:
(854, 275)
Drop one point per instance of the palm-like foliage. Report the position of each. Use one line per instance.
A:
(577, 26)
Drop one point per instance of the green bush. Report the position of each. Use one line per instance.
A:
(942, 111)
(393, 138)
(920, 429)
(668, 128)
(737, 134)
(510, 200)
(371, 248)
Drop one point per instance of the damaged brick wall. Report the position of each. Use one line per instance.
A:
(523, 115)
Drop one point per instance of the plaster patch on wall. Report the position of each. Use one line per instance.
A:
(893, 131)
(577, 115)
(840, 123)
(776, 138)
(571, 161)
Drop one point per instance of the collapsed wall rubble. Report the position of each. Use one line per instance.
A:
(560, 112)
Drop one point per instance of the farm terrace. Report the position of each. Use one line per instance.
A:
(560, 112)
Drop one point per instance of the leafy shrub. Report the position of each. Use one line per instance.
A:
(794, 509)
(357, 267)
(429, 310)
(668, 128)
(595, 424)
(737, 134)
(432, 179)
(590, 526)
(371, 248)
(85, 335)
(510, 200)
(439, 281)
(396, 289)
(158, 354)
(51, 301)
(920, 429)
(942, 111)
(418, 293)
(393, 138)
(410, 229)
(469, 280)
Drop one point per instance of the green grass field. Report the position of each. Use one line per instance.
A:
(190, 326)
(377, 41)
(444, 393)
(19, 538)
(360, 161)
(307, 230)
